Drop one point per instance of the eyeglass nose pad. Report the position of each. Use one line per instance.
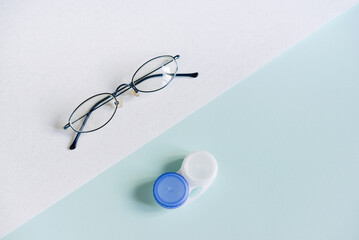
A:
(135, 93)
(119, 103)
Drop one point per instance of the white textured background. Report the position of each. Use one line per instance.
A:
(55, 54)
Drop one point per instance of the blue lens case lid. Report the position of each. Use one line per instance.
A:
(171, 190)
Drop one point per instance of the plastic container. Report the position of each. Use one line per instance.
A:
(198, 170)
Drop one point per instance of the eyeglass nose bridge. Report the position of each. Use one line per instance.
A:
(130, 85)
(121, 87)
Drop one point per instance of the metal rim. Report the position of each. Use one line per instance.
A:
(174, 75)
(69, 122)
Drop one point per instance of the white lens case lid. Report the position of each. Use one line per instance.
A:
(199, 169)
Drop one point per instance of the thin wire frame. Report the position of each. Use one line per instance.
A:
(113, 114)
(174, 74)
(122, 89)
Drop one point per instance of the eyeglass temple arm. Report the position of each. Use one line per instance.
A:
(74, 142)
(193, 75)
(120, 90)
(87, 115)
(124, 87)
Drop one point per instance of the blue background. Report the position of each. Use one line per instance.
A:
(287, 143)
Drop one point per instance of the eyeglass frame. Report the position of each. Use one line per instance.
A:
(122, 88)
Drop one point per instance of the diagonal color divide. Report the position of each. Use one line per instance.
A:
(55, 54)
(286, 140)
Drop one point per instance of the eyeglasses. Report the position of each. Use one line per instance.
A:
(95, 112)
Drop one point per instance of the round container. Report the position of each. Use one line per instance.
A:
(198, 170)
(171, 190)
